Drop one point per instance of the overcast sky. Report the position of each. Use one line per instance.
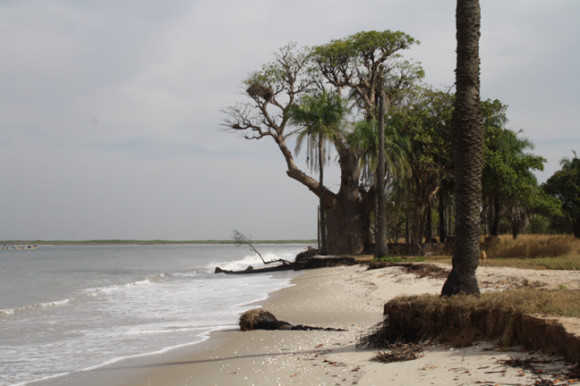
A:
(110, 110)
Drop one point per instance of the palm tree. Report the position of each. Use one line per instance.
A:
(320, 117)
(364, 139)
(467, 129)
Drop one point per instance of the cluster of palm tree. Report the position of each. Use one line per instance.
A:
(322, 119)
(418, 166)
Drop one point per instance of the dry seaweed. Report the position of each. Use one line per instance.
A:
(421, 270)
(399, 352)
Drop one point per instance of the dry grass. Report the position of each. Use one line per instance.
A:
(558, 252)
(532, 246)
(571, 263)
(510, 317)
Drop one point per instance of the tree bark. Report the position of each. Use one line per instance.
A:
(348, 211)
(322, 224)
(496, 217)
(467, 129)
(442, 234)
(381, 249)
(428, 225)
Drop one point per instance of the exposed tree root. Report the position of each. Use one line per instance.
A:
(259, 319)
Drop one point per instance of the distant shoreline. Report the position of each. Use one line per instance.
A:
(146, 242)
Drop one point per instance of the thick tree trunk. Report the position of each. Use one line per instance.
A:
(346, 227)
(348, 212)
(467, 132)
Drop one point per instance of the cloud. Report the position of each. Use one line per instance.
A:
(110, 111)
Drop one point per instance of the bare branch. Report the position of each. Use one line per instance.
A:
(242, 239)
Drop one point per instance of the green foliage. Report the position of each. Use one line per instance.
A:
(321, 118)
(509, 186)
(540, 225)
(305, 91)
(362, 48)
(399, 259)
(360, 60)
(564, 186)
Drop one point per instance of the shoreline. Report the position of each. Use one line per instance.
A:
(108, 242)
(339, 297)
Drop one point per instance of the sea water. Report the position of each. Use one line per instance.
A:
(65, 309)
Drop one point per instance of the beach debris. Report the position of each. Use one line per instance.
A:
(260, 319)
(242, 239)
(308, 259)
(399, 352)
(422, 270)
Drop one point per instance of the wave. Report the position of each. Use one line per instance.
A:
(201, 337)
(13, 311)
(253, 260)
(96, 291)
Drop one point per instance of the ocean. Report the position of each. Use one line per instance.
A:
(65, 309)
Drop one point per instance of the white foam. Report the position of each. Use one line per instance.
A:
(150, 315)
(13, 311)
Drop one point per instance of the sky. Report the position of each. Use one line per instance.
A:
(111, 121)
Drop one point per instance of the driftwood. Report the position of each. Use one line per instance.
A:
(305, 260)
(259, 319)
(242, 239)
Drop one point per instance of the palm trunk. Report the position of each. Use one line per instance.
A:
(442, 235)
(322, 224)
(381, 231)
(496, 217)
(467, 132)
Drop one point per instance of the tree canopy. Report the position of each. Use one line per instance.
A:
(564, 185)
(327, 98)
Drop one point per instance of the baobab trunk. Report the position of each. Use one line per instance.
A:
(346, 227)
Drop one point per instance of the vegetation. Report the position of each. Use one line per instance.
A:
(398, 259)
(321, 117)
(558, 252)
(350, 66)
(328, 97)
(564, 186)
(531, 246)
(461, 320)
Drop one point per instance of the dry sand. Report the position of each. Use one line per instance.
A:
(341, 297)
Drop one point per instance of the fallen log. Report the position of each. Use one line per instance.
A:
(306, 262)
(250, 269)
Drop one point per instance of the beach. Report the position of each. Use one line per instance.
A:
(350, 298)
